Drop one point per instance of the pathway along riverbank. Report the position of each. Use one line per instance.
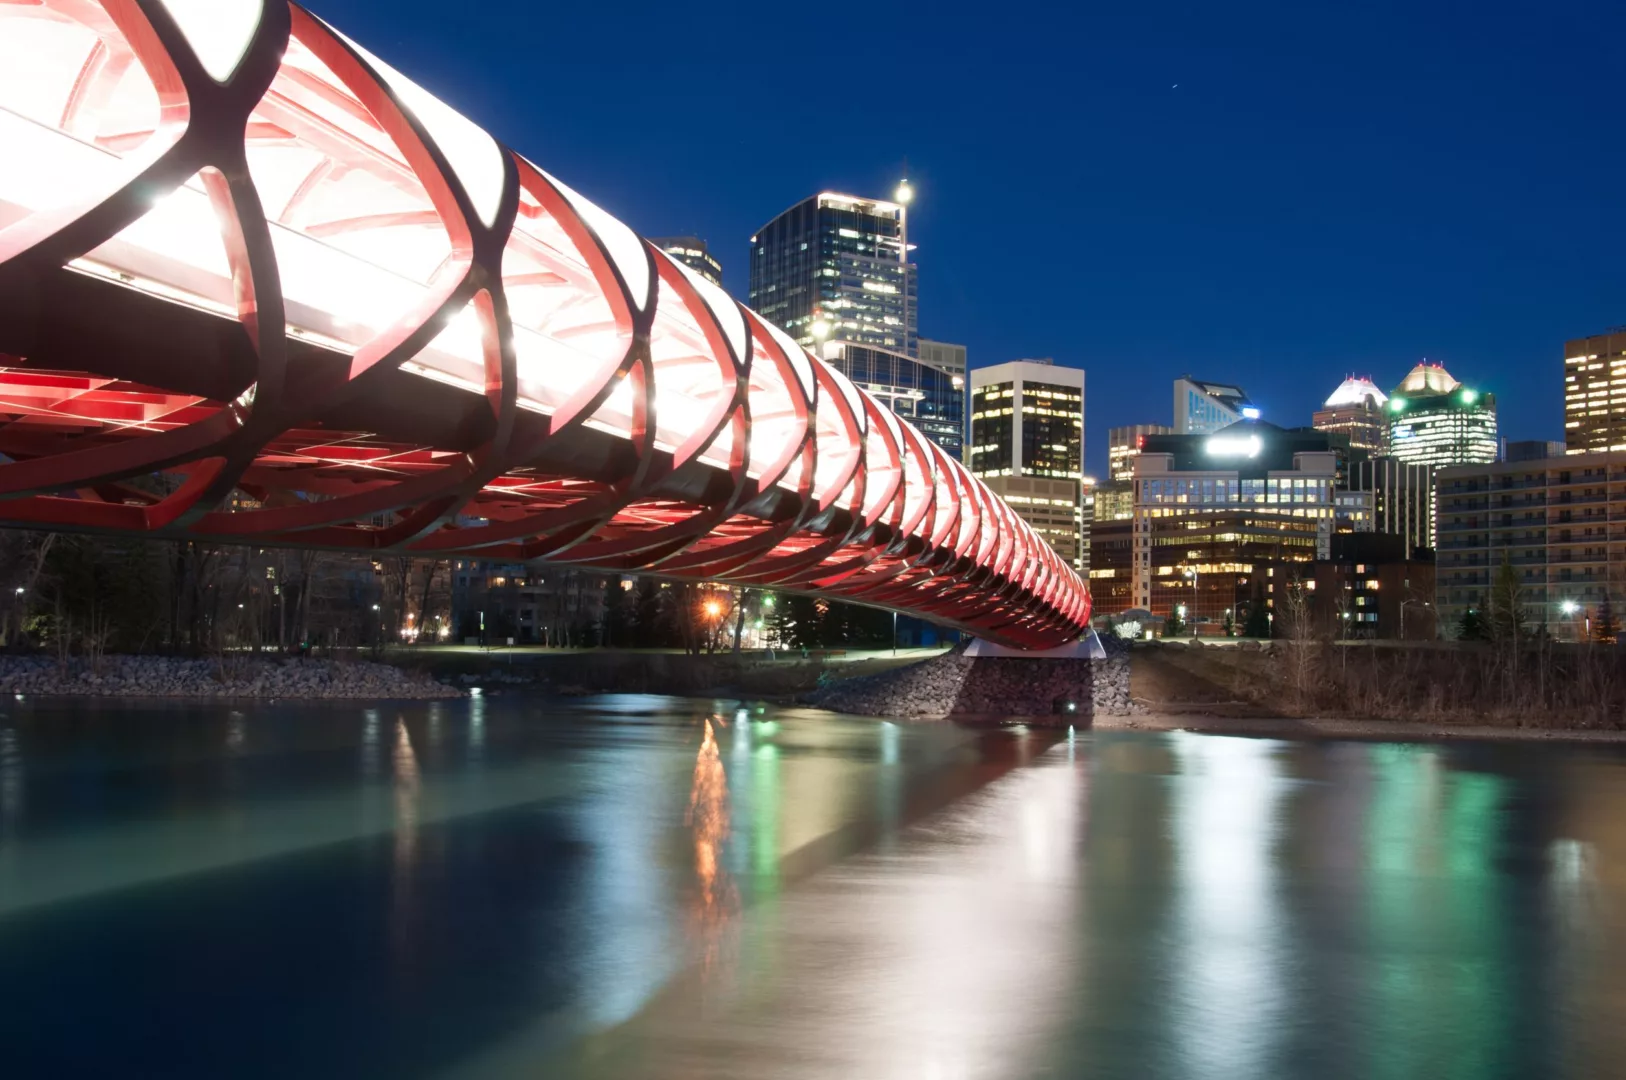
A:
(223, 677)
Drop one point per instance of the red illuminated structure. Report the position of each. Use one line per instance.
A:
(256, 286)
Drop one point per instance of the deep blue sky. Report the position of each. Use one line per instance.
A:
(1332, 188)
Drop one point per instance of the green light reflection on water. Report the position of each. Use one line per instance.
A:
(1435, 901)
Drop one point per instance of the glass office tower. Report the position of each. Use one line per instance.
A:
(839, 265)
(931, 399)
(692, 252)
(1435, 420)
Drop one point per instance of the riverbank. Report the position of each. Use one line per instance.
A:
(1449, 686)
(577, 673)
(1342, 728)
(961, 687)
(222, 677)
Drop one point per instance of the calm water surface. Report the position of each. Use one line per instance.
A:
(638, 886)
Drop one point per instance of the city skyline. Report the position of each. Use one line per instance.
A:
(1336, 223)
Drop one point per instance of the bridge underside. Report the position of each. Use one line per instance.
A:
(257, 287)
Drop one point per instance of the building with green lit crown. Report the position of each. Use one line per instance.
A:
(1436, 420)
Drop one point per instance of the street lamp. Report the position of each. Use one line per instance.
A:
(821, 329)
(1403, 604)
(1191, 572)
(1571, 608)
(905, 195)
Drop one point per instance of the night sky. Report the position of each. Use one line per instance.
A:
(1330, 189)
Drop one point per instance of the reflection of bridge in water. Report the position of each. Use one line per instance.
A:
(256, 286)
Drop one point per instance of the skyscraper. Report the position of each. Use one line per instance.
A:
(1435, 420)
(932, 400)
(1027, 444)
(1124, 444)
(1595, 392)
(1402, 498)
(1027, 419)
(943, 356)
(692, 252)
(1356, 409)
(837, 267)
(1202, 407)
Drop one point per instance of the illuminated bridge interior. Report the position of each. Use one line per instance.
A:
(257, 286)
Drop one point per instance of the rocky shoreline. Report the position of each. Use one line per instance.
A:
(232, 677)
(956, 685)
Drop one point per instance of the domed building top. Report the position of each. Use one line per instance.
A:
(1427, 378)
(1354, 391)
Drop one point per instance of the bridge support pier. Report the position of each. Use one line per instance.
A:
(1087, 647)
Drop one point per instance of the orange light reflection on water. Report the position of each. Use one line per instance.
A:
(708, 816)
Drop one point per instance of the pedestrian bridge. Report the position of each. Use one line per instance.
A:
(256, 286)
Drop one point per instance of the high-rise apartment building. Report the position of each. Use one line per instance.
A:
(1124, 444)
(692, 252)
(943, 356)
(1595, 392)
(1435, 420)
(929, 398)
(1355, 409)
(1549, 520)
(837, 267)
(1201, 407)
(1027, 444)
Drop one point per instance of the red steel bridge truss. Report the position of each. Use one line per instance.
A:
(256, 286)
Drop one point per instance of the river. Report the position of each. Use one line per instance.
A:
(635, 886)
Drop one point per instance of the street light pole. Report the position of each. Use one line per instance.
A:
(905, 195)
(1403, 604)
(1191, 572)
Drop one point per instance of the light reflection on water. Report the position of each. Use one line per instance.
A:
(636, 886)
(715, 896)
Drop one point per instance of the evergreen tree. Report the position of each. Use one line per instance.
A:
(801, 626)
(613, 632)
(646, 614)
(1606, 628)
(1174, 625)
(1471, 627)
(1505, 614)
(1258, 621)
(1230, 623)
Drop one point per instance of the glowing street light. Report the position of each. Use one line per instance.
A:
(905, 194)
(1191, 572)
(1572, 609)
(713, 609)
